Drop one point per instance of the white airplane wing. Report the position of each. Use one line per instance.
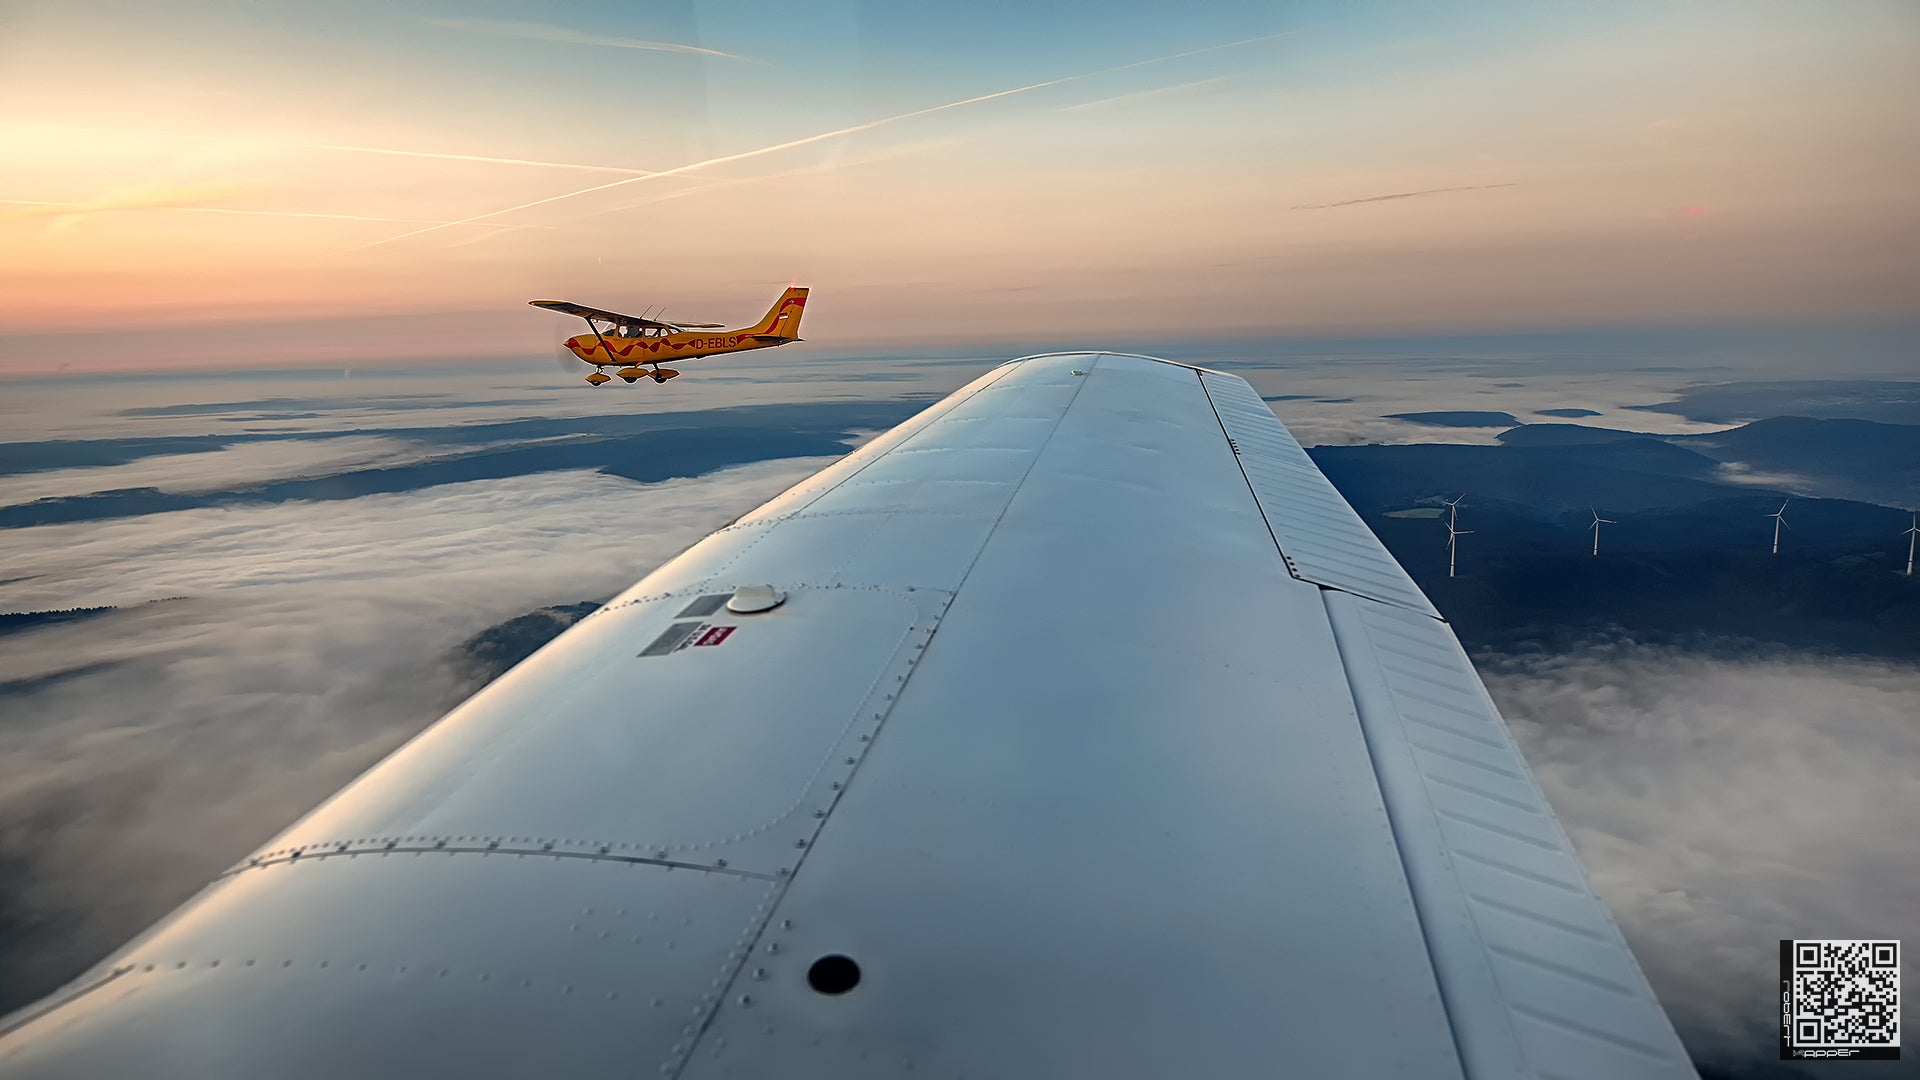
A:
(1084, 731)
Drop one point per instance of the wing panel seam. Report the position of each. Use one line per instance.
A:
(675, 1068)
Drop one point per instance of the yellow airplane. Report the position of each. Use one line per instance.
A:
(637, 346)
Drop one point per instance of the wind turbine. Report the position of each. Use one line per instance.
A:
(1912, 534)
(1453, 534)
(1597, 522)
(1779, 522)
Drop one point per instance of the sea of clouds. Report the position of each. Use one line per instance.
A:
(1721, 805)
(144, 750)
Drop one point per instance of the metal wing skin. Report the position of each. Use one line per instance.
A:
(1095, 730)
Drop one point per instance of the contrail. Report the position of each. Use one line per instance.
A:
(1403, 195)
(334, 147)
(888, 154)
(825, 135)
(543, 32)
(1145, 95)
(60, 209)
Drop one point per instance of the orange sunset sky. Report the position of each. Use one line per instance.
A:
(282, 182)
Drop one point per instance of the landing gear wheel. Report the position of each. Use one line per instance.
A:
(598, 378)
(629, 378)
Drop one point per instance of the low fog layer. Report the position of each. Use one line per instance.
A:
(309, 643)
(1722, 805)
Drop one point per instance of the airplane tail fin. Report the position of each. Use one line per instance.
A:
(783, 319)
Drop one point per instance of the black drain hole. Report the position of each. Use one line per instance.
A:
(834, 974)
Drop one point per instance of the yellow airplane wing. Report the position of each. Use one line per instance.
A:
(568, 307)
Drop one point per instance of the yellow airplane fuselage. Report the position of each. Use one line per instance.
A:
(610, 351)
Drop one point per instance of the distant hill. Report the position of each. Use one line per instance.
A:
(16, 622)
(646, 448)
(1541, 482)
(1686, 576)
(741, 421)
(1858, 459)
(1688, 558)
(13, 622)
(1570, 413)
(1852, 459)
(1566, 435)
(1458, 418)
(494, 651)
(1891, 402)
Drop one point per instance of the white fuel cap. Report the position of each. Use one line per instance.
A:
(748, 599)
